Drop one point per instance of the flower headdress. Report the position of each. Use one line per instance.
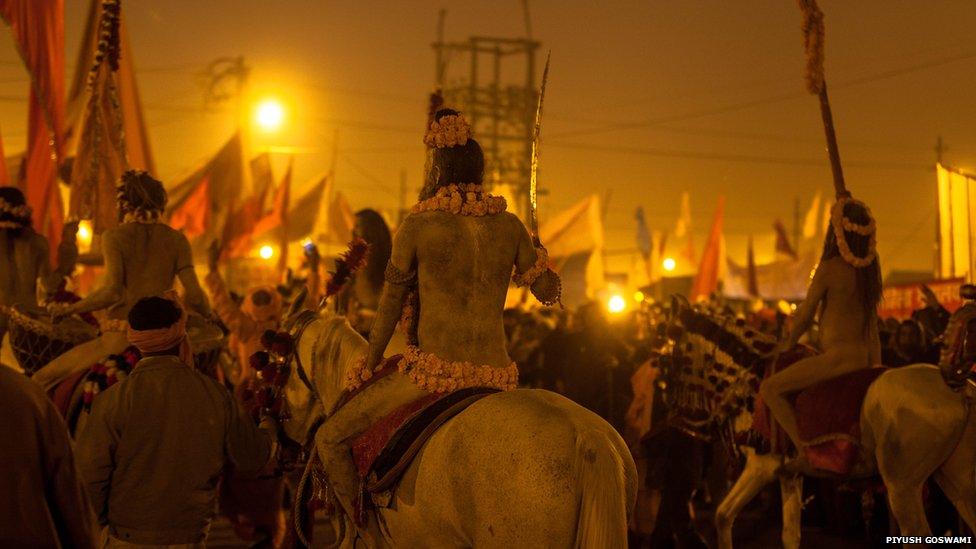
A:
(843, 225)
(449, 131)
(138, 184)
(14, 217)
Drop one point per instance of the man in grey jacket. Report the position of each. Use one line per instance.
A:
(157, 442)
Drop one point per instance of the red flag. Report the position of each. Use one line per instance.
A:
(38, 29)
(227, 181)
(706, 280)
(274, 220)
(239, 228)
(193, 215)
(782, 241)
(753, 280)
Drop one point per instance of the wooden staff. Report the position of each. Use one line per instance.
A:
(813, 35)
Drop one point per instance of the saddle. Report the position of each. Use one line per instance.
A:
(384, 451)
(828, 417)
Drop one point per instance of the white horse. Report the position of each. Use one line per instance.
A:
(913, 427)
(524, 468)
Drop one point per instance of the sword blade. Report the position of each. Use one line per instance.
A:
(534, 173)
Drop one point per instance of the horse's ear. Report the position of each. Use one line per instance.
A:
(297, 303)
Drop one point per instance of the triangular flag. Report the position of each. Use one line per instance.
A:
(711, 266)
(193, 215)
(783, 245)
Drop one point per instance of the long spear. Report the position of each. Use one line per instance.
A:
(534, 174)
(813, 35)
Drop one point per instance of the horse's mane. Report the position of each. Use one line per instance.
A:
(336, 347)
(718, 375)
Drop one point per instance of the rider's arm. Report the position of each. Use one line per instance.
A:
(875, 342)
(402, 261)
(51, 279)
(194, 296)
(546, 286)
(110, 291)
(807, 310)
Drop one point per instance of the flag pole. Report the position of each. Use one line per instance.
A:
(813, 35)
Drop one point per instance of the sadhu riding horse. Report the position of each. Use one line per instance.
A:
(905, 424)
(143, 257)
(436, 447)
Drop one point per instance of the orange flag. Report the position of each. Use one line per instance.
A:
(709, 270)
(227, 180)
(274, 220)
(193, 215)
(38, 29)
(751, 267)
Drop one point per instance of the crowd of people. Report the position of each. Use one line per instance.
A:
(163, 443)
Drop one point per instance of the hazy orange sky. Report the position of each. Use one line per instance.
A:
(646, 98)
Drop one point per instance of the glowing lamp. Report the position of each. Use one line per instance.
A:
(616, 304)
(266, 252)
(269, 115)
(639, 296)
(669, 264)
(84, 234)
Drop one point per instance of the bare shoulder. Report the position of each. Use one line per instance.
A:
(512, 223)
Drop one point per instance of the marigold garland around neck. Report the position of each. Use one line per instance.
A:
(22, 214)
(450, 131)
(842, 225)
(437, 375)
(463, 199)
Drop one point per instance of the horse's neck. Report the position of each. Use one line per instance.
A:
(335, 349)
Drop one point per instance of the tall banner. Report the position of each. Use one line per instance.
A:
(106, 131)
(38, 29)
(957, 200)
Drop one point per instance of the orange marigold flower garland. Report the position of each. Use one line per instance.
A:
(842, 225)
(463, 199)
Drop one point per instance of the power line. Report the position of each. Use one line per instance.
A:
(755, 159)
(765, 100)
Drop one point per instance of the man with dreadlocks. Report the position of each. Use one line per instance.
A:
(24, 261)
(845, 290)
(455, 255)
(143, 257)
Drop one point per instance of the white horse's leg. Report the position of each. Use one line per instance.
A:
(908, 509)
(956, 475)
(791, 488)
(759, 471)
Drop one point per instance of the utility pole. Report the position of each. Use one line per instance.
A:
(500, 105)
(940, 148)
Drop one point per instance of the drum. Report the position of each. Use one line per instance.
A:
(206, 341)
(36, 340)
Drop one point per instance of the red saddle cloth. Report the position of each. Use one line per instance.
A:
(828, 416)
(385, 450)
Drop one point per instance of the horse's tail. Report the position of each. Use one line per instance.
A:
(603, 506)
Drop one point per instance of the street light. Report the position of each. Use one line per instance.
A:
(266, 252)
(84, 235)
(269, 115)
(669, 264)
(616, 304)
